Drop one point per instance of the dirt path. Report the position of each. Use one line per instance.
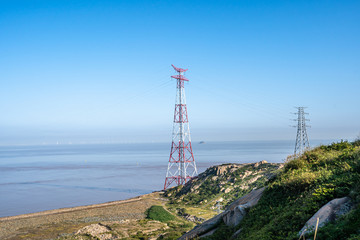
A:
(49, 224)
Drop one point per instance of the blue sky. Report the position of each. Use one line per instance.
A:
(99, 71)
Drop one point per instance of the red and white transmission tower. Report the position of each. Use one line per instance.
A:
(181, 167)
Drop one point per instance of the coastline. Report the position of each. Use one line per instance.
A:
(52, 177)
(51, 223)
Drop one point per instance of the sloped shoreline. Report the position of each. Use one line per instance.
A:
(51, 223)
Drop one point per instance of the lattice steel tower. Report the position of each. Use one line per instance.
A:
(181, 166)
(302, 140)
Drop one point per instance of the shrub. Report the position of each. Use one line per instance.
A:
(356, 143)
(338, 146)
(295, 164)
(159, 213)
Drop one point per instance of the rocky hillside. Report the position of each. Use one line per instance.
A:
(221, 185)
(320, 187)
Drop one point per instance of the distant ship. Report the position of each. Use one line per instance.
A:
(201, 142)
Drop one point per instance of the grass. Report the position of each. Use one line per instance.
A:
(177, 226)
(209, 187)
(159, 213)
(200, 212)
(305, 185)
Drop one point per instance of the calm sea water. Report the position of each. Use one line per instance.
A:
(37, 178)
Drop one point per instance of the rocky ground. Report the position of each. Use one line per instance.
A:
(64, 222)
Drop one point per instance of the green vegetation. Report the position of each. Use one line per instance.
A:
(346, 227)
(228, 181)
(302, 188)
(159, 213)
(222, 232)
(176, 226)
(176, 230)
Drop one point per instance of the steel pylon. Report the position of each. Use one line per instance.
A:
(181, 166)
(302, 140)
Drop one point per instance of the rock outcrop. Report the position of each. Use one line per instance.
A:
(259, 163)
(230, 181)
(222, 169)
(203, 228)
(237, 210)
(232, 216)
(250, 199)
(192, 218)
(97, 230)
(329, 212)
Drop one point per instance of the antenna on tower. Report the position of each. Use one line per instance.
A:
(302, 140)
(181, 166)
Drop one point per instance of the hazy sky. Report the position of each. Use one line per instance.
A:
(97, 71)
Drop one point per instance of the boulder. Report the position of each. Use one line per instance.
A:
(237, 210)
(260, 163)
(97, 230)
(249, 199)
(329, 212)
(203, 228)
(232, 215)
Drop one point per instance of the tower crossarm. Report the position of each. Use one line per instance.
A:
(179, 69)
(180, 77)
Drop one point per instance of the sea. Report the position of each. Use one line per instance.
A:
(45, 177)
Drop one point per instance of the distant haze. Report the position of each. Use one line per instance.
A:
(39, 136)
